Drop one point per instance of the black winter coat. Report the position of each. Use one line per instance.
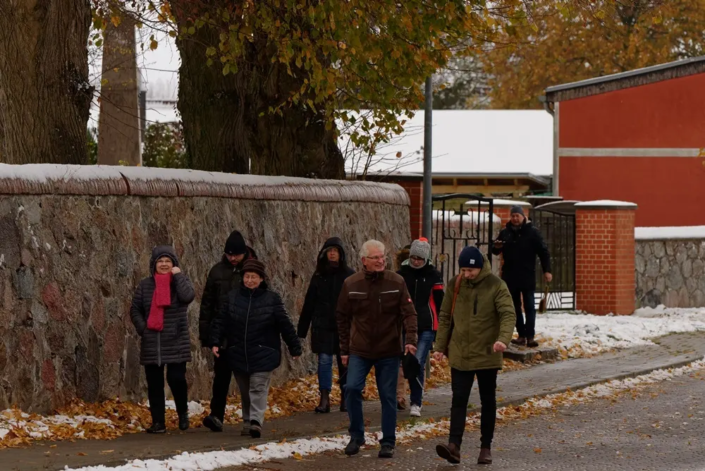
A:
(252, 322)
(223, 278)
(425, 287)
(173, 343)
(321, 300)
(519, 251)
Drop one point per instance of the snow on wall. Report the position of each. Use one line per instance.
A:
(669, 233)
(144, 181)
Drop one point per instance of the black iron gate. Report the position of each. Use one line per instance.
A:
(460, 220)
(556, 221)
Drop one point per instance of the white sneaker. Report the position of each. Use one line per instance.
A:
(415, 411)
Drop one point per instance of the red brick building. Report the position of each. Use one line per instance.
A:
(637, 136)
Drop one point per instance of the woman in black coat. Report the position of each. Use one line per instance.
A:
(319, 312)
(159, 315)
(253, 320)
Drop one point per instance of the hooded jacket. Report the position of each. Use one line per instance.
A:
(519, 251)
(253, 322)
(484, 313)
(425, 287)
(223, 278)
(173, 343)
(321, 299)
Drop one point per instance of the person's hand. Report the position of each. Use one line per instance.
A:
(548, 277)
(215, 352)
(498, 243)
(499, 347)
(438, 356)
(175, 271)
(410, 349)
(344, 359)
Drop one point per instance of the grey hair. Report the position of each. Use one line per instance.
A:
(365, 250)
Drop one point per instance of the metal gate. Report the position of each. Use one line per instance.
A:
(556, 221)
(460, 220)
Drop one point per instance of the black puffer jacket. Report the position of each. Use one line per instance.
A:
(425, 287)
(322, 298)
(252, 322)
(223, 278)
(519, 251)
(173, 343)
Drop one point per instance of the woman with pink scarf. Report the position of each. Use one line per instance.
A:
(159, 313)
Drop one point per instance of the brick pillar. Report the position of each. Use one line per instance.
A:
(414, 189)
(604, 266)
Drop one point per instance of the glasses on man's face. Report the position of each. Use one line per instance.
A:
(416, 259)
(375, 258)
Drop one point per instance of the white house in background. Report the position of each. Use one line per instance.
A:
(493, 152)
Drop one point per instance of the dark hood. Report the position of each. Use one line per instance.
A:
(322, 263)
(162, 251)
(526, 224)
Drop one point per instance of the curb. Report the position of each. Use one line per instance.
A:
(513, 402)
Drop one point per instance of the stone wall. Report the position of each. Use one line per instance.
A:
(71, 256)
(670, 272)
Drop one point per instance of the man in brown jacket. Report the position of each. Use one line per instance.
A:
(372, 308)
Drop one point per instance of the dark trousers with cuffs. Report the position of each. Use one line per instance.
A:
(461, 385)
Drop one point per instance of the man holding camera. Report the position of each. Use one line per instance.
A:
(520, 243)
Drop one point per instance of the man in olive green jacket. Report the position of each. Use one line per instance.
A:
(476, 324)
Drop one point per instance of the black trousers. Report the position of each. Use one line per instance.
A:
(528, 328)
(461, 384)
(176, 378)
(221, 386)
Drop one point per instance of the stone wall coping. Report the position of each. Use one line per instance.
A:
(47, 179)
(669, 233)
(605, 204)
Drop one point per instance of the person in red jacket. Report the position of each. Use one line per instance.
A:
(425, 285)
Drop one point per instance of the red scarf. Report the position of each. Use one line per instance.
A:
(160, 299)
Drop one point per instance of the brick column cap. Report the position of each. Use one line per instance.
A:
(606, 204)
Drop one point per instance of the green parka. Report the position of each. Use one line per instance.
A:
(484, 314)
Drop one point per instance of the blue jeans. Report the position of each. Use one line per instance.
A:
(524, 329)
(424, 345)
(386, 373)
(325, 372)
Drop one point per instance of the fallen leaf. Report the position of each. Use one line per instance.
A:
(537, 450)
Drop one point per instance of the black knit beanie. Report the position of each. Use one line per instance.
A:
(235, 244)
(471, 257)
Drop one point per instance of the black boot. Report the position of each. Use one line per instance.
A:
(157, 427)
(184, 421)
(324, 404)
(343, 406)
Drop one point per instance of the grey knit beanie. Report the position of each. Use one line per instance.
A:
(420, 248)
(517, 210)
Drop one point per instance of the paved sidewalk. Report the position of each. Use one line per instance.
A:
(513, 387)
(660, 429)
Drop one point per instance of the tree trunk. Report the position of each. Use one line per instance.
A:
(45, 95)
(119, 124)
(227, 123)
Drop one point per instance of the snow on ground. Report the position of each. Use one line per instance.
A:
(584, 333)
(297, 449)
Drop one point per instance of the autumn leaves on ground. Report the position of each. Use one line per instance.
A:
(114, 418)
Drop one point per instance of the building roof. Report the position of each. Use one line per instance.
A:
(465, 142)
(631, 78)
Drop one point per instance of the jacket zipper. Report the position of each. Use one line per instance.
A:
(474, 311)
(247, 323)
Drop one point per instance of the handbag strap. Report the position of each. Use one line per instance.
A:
(456, 290)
